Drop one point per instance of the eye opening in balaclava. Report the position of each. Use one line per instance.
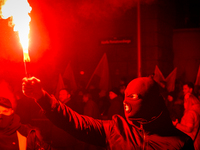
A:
(143, 101)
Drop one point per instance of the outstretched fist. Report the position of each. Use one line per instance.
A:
(31, 87)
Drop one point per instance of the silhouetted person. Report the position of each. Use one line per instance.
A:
(146, 125)
(90, 107)
(13, 134)
(61, 140)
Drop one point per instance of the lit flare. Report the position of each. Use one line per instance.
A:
(18, 11)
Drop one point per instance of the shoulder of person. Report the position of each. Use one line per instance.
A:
(192, 114)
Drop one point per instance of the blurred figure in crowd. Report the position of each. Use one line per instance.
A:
(60, 139)
(64, 95)
(188, 90)
(170, 103)
(122, 89)
(190, 121)
(13, 134)
(103, 103)
(116, 103)
(66, 98)
(90, 107)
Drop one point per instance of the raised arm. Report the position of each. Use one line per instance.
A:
(82, 127)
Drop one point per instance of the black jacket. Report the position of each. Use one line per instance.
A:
(116, 133)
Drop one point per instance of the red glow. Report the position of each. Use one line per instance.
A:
(82, 72)
(19, 20)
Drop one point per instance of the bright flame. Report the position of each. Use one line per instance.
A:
(19, 11)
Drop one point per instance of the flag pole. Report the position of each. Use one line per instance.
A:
(138, 39)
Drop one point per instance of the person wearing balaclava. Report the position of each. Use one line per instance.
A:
(13, 134)
(146, 125)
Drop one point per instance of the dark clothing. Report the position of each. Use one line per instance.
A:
(10, 138)
(28, 111)
(8, 135)
(24, 105)
(170, 107)
(103, 105)
(61, 140)
(91, 109)
(75, 103)
(116, 107)
(115, 133)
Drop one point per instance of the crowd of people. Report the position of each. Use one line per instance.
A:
(137, 115)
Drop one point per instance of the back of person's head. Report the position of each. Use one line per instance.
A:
(115, 90)
(123, 81)
(86, 96)
(122, 89)
(102, 93)
(189, 84)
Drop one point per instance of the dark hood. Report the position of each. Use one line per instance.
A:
(13, 125)
(143, 102)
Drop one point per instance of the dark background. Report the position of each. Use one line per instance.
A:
(66, 31)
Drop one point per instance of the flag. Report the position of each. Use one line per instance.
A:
(170, 81)
(158, 77)
(69, 78)
(197, 82)
(60, 85)
(100, 76)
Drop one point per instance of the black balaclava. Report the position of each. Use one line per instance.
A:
(9, 124)
(5, 120)
(142, 102)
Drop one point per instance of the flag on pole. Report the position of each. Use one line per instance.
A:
(101, 74)
(158, 77)
(197, 82)
(60, 85)
(170, 80)
(69, 79)
(167, 83)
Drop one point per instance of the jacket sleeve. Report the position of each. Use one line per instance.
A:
(81, 127)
